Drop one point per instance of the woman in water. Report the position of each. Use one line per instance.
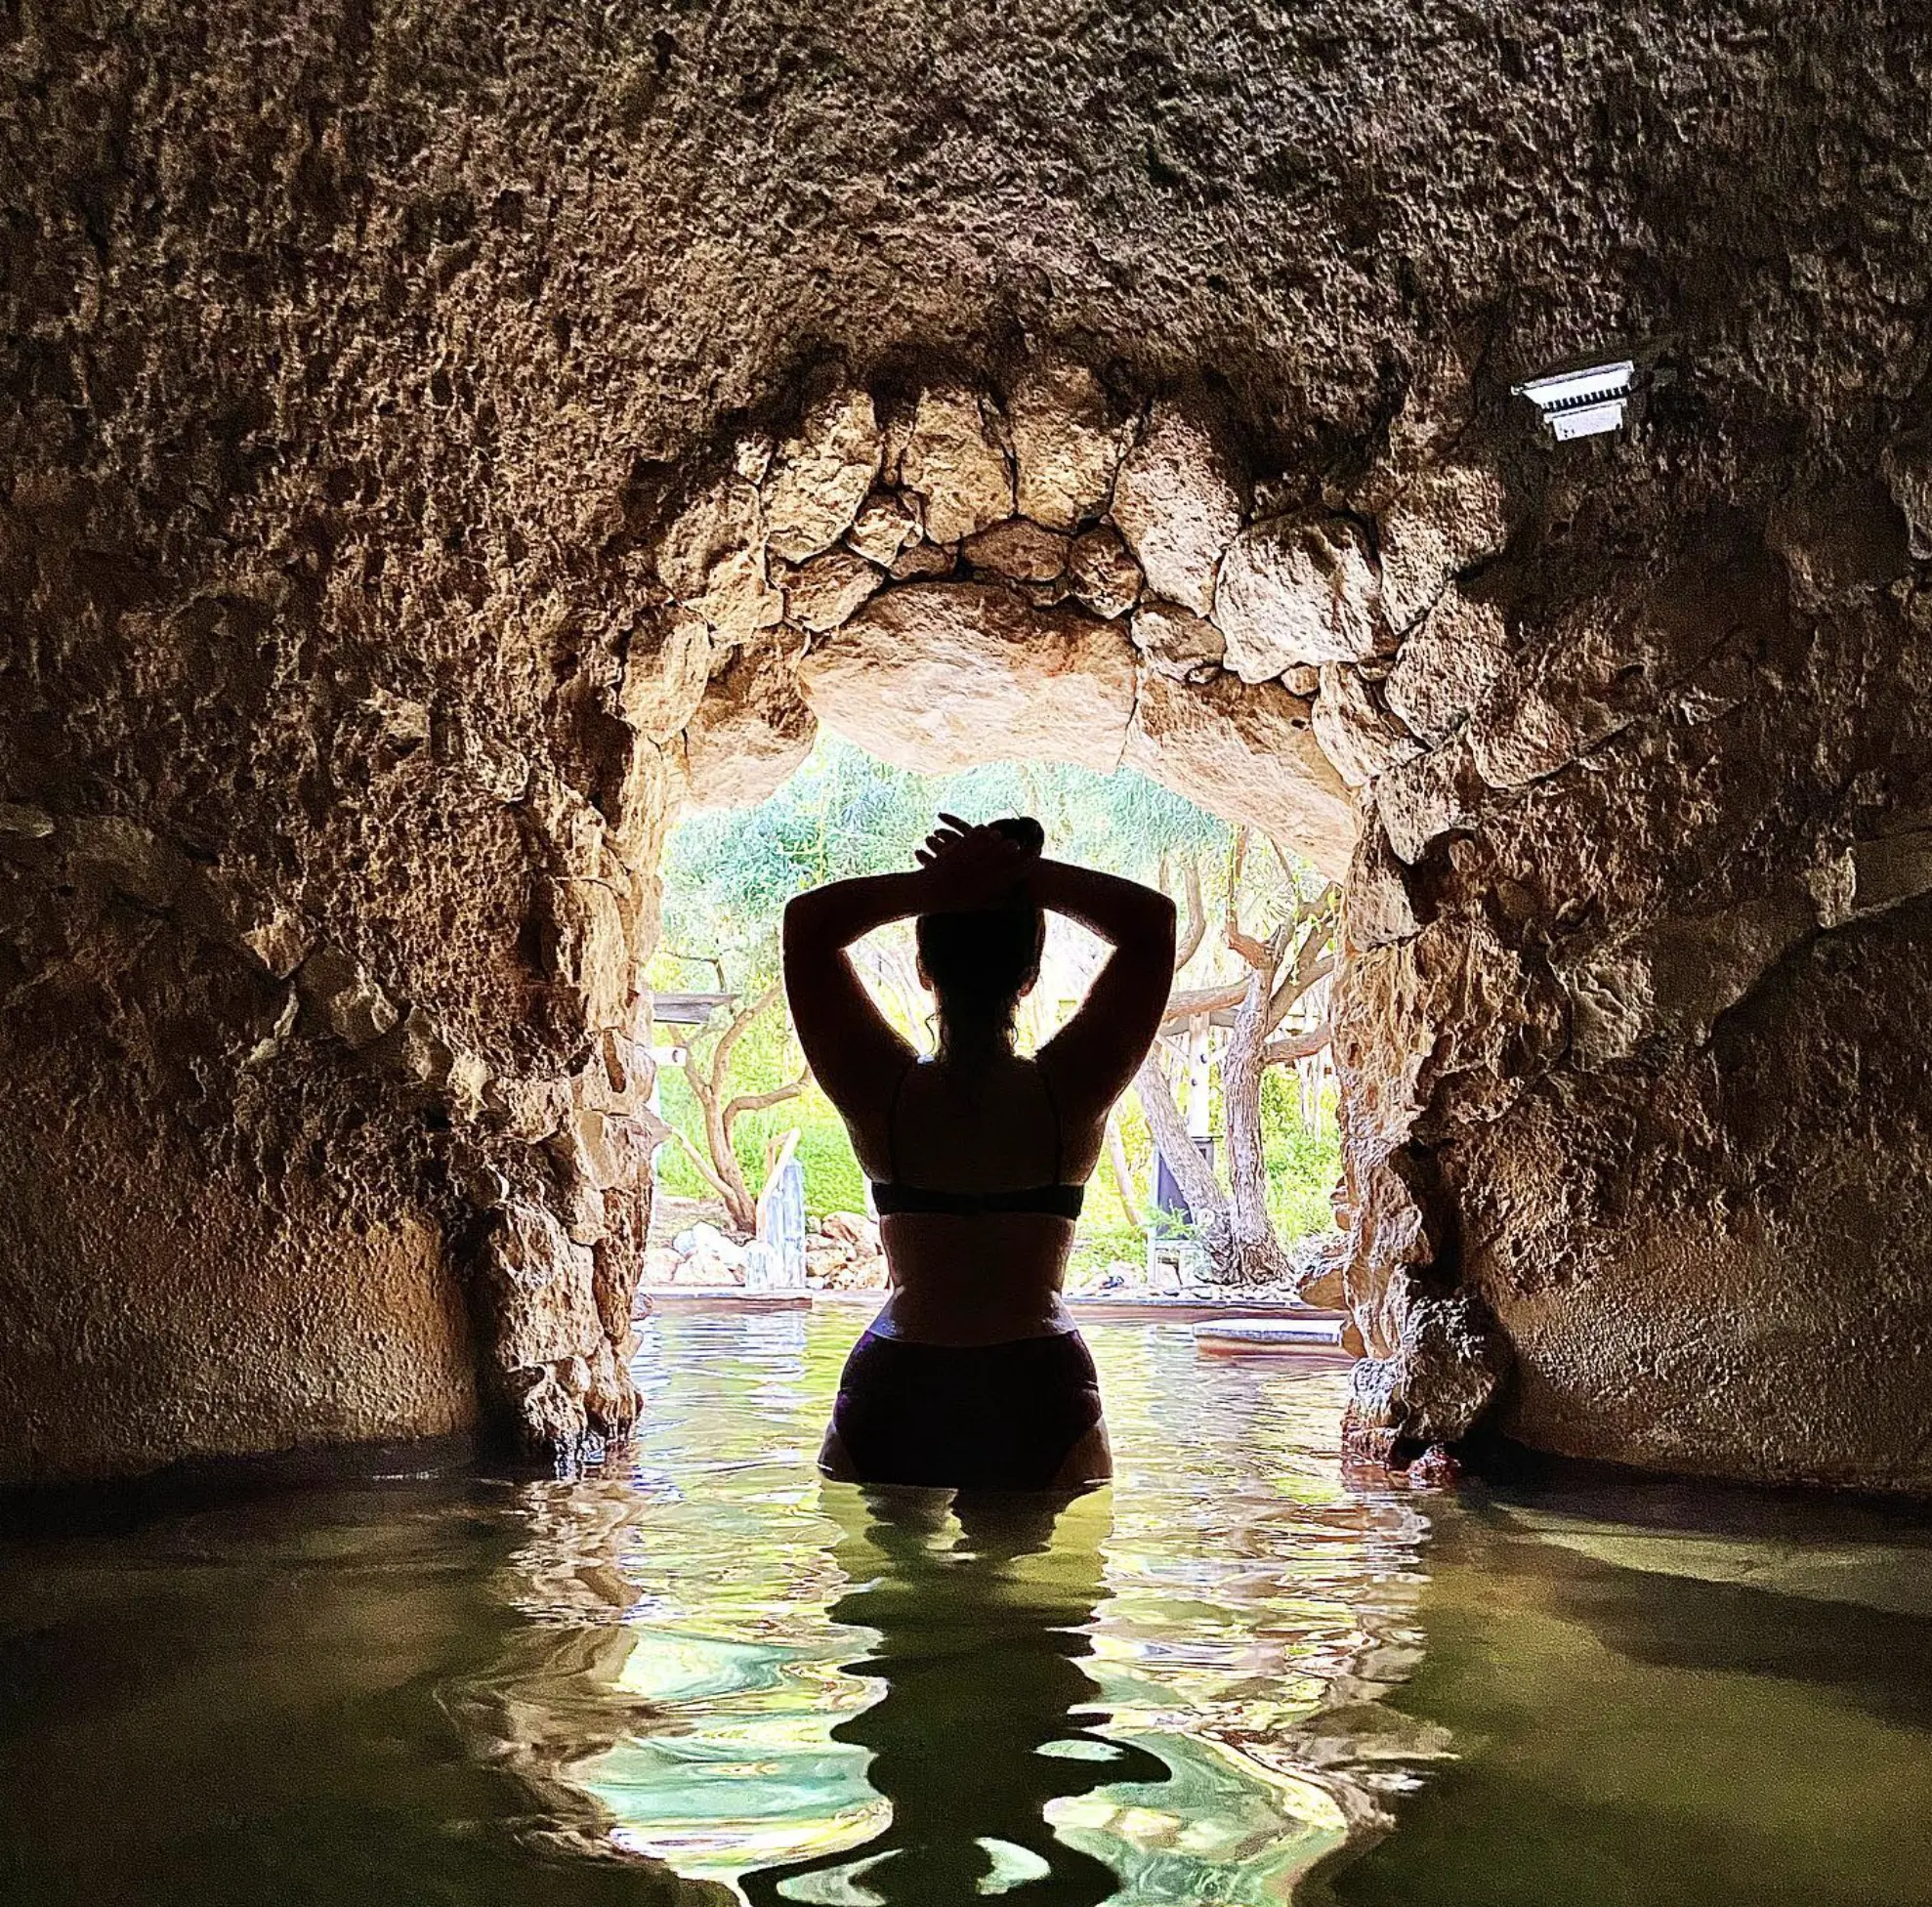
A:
(973, 1376)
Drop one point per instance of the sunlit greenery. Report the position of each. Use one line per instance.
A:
(728, 875)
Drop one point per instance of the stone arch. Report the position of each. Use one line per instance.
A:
(883, 573)
(876, 568)
(1342, 672)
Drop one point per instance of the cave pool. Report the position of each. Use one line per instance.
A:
(696, 1672)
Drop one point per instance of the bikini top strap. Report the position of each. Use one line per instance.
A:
(892, 1122)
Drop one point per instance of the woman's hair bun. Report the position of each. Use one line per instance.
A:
(980, 960)
(1023, 831)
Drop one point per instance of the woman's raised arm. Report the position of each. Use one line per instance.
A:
(1094, 1055)
(853, 1052)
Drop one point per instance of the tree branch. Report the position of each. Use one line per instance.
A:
(1297, 983)
(712, 960)
(1313, 961)
(1255, 953)
(705, 1166)
(1322, 906)
(1236, 860)
(1293, 1046)
(738, 1027)
(1188, 1170)
(1283, 862)
(1185, 1003)
(758, 1102)
(1123, 1178)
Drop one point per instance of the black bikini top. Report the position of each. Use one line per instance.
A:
(891, 1195)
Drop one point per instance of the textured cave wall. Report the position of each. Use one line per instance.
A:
(1645, 1076)
(398, 411)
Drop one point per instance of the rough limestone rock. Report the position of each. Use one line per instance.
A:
(647, 791)
(348, 1003)
(1377, 909)
(1678, 977)
(922, 559)
(580, 1198)
(1177, 502)
(823, 593)
(1019, 550)
(1295, 590)
(1065, 448)
(382, 1294)
(127, 857)
(818, 479)
(887, 523)
(1907, 465)
(666, 668)
(1102, 573)
(278, 939)
(542, 1304)
(713, 561)
(1891, 869)
(1521, 732)
(23, 823)
(1746, 1269)
(939, 676)
(1356, 732)
(1317, 1271)
(954, 464)
(1447, 665)
(1428, 796)
(1438, 1375)
(1439, 525)
(750, 732)
(1178, 642)
(1249, 755)
(1603, 666)
(586, 948)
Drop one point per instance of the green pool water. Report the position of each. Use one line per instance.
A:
(705, 1675)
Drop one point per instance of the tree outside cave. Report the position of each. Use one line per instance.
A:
(1243, 1062)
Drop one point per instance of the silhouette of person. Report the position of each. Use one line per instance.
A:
(973, 1374)
(986, 1714)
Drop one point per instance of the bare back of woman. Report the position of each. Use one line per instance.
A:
(973, 1373)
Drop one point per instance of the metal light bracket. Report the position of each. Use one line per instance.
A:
(1586, 403)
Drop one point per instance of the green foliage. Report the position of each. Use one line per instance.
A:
(1303, 1164)
(728, 876)
(1097, 1246)
(833, 1181)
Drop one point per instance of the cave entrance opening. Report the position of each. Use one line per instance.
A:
(1220, 1160)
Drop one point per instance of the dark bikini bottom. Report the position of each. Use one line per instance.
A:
(985, 1416)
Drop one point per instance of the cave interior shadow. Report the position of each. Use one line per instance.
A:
(983, 1605)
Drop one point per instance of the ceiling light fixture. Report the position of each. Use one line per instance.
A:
(1586, 403)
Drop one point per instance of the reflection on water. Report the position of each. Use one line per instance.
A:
(890, 1696)
(1666, 1698)
(977, 1725)
(706, 1676)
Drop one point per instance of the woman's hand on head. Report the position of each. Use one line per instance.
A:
(968, 866)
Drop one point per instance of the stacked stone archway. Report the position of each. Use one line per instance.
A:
(1240, 641)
